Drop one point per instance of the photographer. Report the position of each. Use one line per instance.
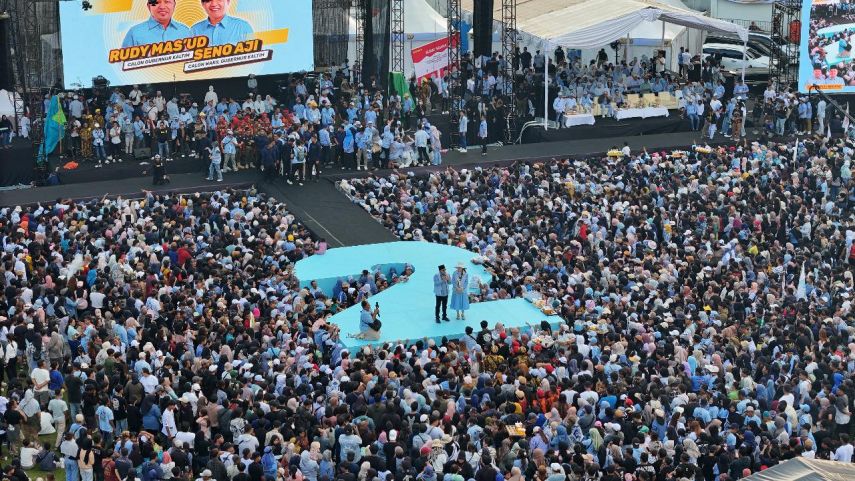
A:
(369, 323)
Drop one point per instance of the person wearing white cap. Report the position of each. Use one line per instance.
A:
(215, 155)
(229, 143)
(205, 476)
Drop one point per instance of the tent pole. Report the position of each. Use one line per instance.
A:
(744, 57)
(545, 89)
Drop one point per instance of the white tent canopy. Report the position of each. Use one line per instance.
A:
(652, 33)
(803, 469)
(595, 23)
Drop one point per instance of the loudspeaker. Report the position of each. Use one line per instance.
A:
(6, 80)
(729, 84)
(142, 153)
(482, 26)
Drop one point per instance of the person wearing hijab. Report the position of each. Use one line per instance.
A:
(435, 145)
(460, 291)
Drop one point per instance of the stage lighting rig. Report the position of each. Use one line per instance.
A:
(86, 5)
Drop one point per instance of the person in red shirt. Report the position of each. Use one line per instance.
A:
(183, 255)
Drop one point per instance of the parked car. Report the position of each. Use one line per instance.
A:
(761, 42)
(732, 60)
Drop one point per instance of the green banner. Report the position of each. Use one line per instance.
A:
(398, 83)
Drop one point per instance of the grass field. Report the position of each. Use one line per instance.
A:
(36, 473)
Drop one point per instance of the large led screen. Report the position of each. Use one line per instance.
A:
(152, 41)
(825, 53)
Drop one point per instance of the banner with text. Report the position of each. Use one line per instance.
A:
(155, 41)
(431, 59)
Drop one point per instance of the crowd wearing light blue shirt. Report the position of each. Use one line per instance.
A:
(324, 137)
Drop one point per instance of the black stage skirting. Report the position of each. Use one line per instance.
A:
(606, 128)
(87, 172)
(16, 164)
(16, 167)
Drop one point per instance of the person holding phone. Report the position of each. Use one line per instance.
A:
(369, 322)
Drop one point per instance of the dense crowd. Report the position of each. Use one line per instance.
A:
(706, 294)
(692, 348)
(167, 338)
(311, 125)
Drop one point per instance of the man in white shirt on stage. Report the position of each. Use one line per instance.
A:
(558, 107)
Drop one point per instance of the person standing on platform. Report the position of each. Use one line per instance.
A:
(313, 159)
(268, 161)
(436, 146)
(482, 134)
(216, 159)
(440, 289)
(463, 127)
(421, 139)
(229, 151)
(460, 294)
(98, 144)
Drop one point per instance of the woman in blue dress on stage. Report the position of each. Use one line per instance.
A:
(460, 292)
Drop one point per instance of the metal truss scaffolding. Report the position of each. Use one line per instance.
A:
(33, 22)
(786, 27)
(455, 82)
(509, 46)
(358, 9)
(397, 30)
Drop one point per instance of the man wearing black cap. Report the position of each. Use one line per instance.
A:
(441, 280)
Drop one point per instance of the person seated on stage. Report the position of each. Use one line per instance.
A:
(53, 178)
(619, 100)
(633, 83)
(644, 87)
(369, 327)
(586, 103)
(570, 103)
(605, 102)
(558, 105)
(659, 84)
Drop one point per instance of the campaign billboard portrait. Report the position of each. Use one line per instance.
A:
(153, 41)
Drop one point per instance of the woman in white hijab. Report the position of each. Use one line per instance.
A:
(210, 95)
(436, 145)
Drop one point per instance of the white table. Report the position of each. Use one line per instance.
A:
(571, 120)
(641, 113)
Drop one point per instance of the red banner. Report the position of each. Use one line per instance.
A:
(431, 59)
